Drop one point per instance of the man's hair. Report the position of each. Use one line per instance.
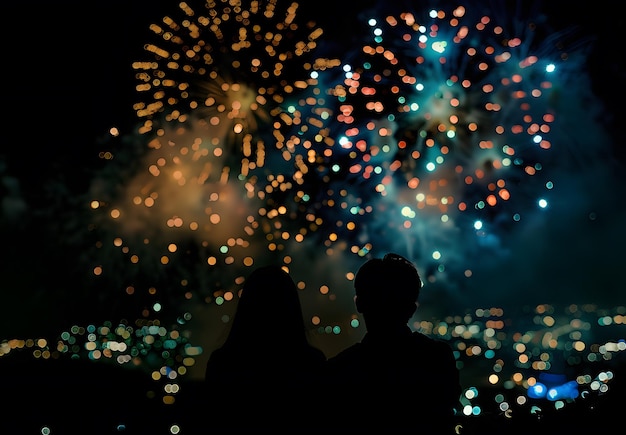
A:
(391, 280)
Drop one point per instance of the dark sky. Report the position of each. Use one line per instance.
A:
(62, 56)
(67, 79)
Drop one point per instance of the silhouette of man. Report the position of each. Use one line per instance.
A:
(395, 379)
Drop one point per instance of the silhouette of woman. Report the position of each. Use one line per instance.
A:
(261, 380)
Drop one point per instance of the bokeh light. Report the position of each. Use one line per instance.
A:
(449, 134)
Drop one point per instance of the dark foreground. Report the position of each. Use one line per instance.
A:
(80, 397)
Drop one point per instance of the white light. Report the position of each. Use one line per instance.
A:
(439, 46)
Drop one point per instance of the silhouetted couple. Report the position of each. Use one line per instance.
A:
(267, 378)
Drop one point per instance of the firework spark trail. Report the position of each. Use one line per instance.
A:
(445, 117)
(223, 164)
(233, 67)
(229, 66)
(428, 132)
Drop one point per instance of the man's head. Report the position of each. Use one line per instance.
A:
(387, 289)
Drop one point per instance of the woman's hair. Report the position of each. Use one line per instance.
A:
(268, 300)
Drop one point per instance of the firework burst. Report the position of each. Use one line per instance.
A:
(446, 117)
(226, 151)
(230, 63)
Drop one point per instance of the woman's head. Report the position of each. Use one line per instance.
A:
(269, 304)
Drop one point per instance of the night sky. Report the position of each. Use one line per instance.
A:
(69, 78)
